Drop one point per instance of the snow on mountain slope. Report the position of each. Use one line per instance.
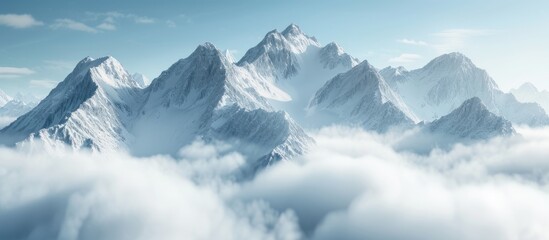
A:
(332, 56)
(90, 108)
(472, 120)
(394, 75)
(276, 55)
(207, 96)
(361, 96)
(445, 82)
(297, 64)
(100, 106)
(142, 80)
(527, 92)
(229, 56)
(4, 98)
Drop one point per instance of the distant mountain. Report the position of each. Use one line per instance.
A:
(445, 82)
(362, 97)
(141, 80)
(4, 98)
(15, 108)
(527, 92)
(472, 120)
(470, 123)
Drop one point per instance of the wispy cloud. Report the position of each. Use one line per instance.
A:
(66, 23)
(171, 23)
(456, 39)
(58, 65)
(106, 26)
(13, 72)
(143, 20)
(405, 58)
(111, 18)
(19, 20)
(44, 83)
(412, 42)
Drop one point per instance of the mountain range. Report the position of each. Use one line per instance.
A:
(527, 92)
(260, 103)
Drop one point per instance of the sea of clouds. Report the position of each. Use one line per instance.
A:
(351, 185)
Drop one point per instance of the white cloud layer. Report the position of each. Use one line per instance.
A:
(352, 185)
(19, 20)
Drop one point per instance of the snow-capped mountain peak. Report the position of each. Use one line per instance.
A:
(472, 120)
(87, 109)
(450, 62)
(298, 40)
(361, 96)
(4, 98)
(528, 87)
(529, 93)
(292, 30)
(332, 55)
(141, 79)
(229, 55)
(278, 52)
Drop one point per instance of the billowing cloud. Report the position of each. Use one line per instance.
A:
(19, 20)
(351, 185)
(69, 195)
(12, 72)
(405, 58)
(66, 23)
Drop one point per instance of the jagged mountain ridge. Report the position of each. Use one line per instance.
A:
(297, 64)
(100, 106)
(4, 98)
(208, 96)
(90, 108)
(361, 96)
(448, 80)
(215, 99)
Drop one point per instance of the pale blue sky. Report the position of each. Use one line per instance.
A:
(506, 37)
